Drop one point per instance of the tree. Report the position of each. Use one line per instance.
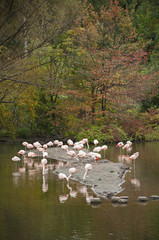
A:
(112, 58)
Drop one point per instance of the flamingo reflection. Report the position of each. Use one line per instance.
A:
(134, 181)
(44, 185)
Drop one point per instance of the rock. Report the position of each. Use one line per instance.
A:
(154, 197)
(95, 201)
(124, 197)
(115, 199)
(122, 201)
(142, 199)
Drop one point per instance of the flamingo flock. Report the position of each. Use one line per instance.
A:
(74, 150)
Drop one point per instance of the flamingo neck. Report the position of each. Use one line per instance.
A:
(85, 174)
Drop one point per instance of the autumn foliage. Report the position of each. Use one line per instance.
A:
(86, 76)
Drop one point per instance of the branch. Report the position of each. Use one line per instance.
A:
(19, 81)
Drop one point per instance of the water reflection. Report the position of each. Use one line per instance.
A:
(41, 215)
(44, 185)
(130, 161)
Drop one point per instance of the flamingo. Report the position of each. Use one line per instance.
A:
(129, 142)
(37, 144)
(64, 147)
(97, 149)
(81, 154)
(95, 142)
(25, 144)
(45, 147)
(71, 153)
(87, 167)
(120, 144)
(45, 154)
(16, 159)
(44, 162)
(56, 142)
(70, 142)
(50, 144)
(63, 176)
(60, 143)
(31, 154)
(104, 147)
(72, 171)
(30, 146)
(97, 156)
(78, 146)
(135, 181)
(127, 146)
(92, 154)
(21, 152)
(86, 142)
(134, 156)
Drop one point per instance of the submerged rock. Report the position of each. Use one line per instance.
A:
(95, 201)
(154, 197)
(142, 199)
(120, 200)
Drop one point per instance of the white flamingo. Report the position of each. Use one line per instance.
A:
(16, 159)
(21, 152)
(60, 143)
(63, 176)
(45, 154)
(104, 147)
(81, 154)
(71, 153)
(87, 167)
(97, 149)
(25, 144)
(37, 144)
(70, 142)
(78, 146)
(64, 147)
(44, 162)
(95, 142)
(71, 172)
(50, 144)
(86, 142)
(56, 142)
(30, 146)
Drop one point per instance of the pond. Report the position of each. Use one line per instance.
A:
(33, 206)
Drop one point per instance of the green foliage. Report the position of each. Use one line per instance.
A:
(103, 134)
(74, 81)
(153, 134)
(23, 132)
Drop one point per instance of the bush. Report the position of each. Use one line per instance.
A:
(103, 134)
(23, 132)
(152, 135)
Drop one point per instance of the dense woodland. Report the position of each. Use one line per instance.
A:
(75, 69)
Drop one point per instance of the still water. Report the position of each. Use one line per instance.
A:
(34, 207)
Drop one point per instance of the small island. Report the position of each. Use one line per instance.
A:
(105, 178)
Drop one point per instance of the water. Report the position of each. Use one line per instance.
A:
(37, 207)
